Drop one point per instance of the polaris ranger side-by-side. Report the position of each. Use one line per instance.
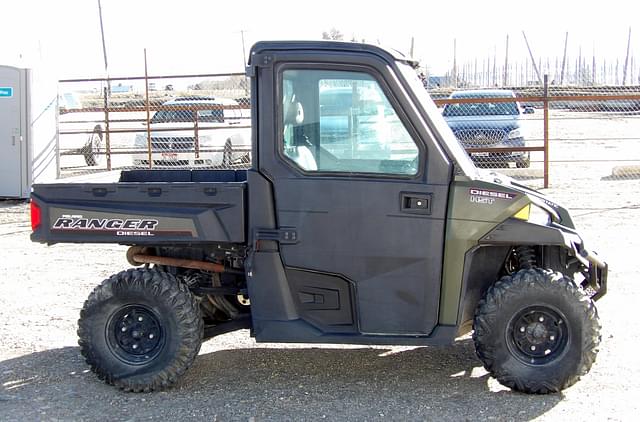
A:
(362, 221)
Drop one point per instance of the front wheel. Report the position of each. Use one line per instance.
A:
(536, 331)
(227, 154)
(523, 163)
(140, 330)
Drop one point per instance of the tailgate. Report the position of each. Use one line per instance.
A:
(140, 213)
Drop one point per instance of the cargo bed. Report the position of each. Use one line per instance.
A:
(152, 207)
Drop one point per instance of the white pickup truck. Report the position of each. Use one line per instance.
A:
(195, 132)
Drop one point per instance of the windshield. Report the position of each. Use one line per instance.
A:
(69, 100)
(436, 122)
(187, 116)
(480, 109)
(173, 116)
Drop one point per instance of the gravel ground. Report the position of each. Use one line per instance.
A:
(43, 377)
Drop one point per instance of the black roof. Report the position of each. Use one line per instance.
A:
(388, 53)
(484, 93)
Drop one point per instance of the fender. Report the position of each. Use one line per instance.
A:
(519, 232)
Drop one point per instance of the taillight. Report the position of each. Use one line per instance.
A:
(35, 216)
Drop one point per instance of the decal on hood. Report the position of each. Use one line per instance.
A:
(492, 194)
(488, 197)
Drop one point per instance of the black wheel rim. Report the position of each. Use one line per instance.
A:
(134, 334)
(96, 144)
(537, 335)
(227, 154)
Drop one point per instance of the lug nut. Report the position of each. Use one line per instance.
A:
(541, 319)
(150, 335)
(135, 346)
(552, 338)
(123, 329)
(140, 319)
(532, 347)
(522, 329)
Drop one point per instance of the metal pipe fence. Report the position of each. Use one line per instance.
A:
(169, 121)
(540, 135)
(581, 134)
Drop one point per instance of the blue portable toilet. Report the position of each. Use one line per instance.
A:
(28, 130)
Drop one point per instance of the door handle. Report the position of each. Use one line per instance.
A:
(416, 203)
(14, 135)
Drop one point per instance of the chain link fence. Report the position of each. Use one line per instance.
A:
(500, 129)
(569, 135)
(183, 121)
(542, 135)
(594, 139)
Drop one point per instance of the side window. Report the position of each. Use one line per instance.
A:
(337, 121)
(211, 115)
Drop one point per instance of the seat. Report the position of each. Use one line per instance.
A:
(296, 143)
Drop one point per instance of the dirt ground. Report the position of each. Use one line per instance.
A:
(43, 376)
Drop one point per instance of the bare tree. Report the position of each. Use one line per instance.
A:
(333, 34)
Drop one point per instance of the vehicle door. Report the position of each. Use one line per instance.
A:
(354, 195)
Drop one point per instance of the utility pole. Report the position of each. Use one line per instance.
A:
(106, 92)
(455, 70)
(244, 54)
(506, 62)
(540, 65)
(564, 57)
(593, 65)
(626, 60)
(475, 72)
(495, 74)
(580, 78)
(532, 59)
(484, 79)
(104, 48)
(146, 104)
(411, 49)
(244, 63)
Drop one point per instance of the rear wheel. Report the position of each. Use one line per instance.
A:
(93, 148)
(140, 330)
(536, 331)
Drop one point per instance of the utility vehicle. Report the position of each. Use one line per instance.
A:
(317, 244)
